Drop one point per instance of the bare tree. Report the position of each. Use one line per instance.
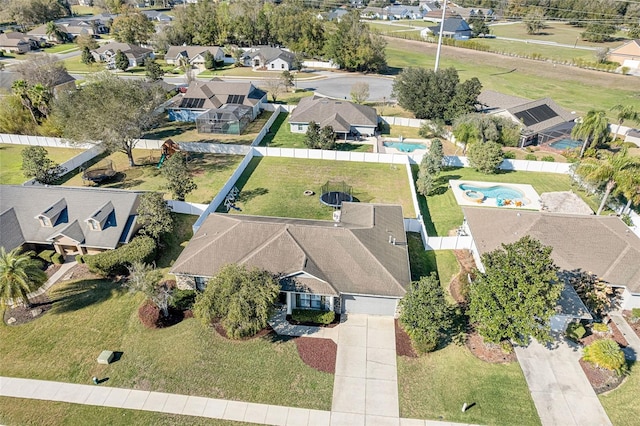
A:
(275, 87)
(359, 92)
(42, 69)
(145, 279)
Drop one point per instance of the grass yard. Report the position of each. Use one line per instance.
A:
(61, 48)
(181, 131)
(390, 109)
(11, 161)
(292, 98)
(274, 186)
(395, 131)
(230, 70)
(423, 263)
(442, 213)
(187, 358)
(75, 65)
(435, 386)
(210, 172)
(621, 403)
(18, 411)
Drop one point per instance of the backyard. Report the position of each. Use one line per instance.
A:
(209, 171)
(11, 161)
(274, 186)
(442, 213)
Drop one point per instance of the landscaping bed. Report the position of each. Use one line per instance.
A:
(601, 379)
(488, 352)
(334, 323)
(319, 354)
(403, 342)
(634, 325)
(614, 334)
(19, 315)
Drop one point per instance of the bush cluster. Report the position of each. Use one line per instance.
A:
(46, 255)
(112, 262)
(548, 158)
(575, 331)
(313, 316)
(606, 353)
(79, 259)
(510, 155)
(57, 258)
(183, 300)
(149, 314)
(635, 314)
(600, 327)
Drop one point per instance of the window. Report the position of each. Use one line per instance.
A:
(273, 65)
(44, 221)
(282, 66)
(201, 283)
(93, 225)
(312, 301)
(300, 127)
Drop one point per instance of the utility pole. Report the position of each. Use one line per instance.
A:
(444, 11)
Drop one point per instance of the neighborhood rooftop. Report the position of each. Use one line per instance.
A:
(341, 115)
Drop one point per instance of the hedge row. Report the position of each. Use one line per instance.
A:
(113, 262)
(313, 316)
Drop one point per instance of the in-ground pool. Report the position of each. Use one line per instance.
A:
(563, 144)
(499, 192)
(404, 146)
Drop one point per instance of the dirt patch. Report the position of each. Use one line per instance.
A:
(81, 272)
(634, 325)
(21, 315)
(403, 342)
(319, 354)
(52, 269)
(601, 379)
(459, 284)
(488, 352)
(262, 333)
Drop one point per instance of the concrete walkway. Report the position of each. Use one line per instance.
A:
(64, 269)
(633, 350)
(282, 327)
(560, 390)
(365, 389)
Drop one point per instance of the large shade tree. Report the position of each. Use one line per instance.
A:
(109, 110)
(516, 296)
(593, 128)
(608, 170)
(20, 274)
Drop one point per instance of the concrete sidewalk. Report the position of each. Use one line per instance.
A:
(633, 350)
(64, 268)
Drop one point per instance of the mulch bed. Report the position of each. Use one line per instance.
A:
(52, 269)
(22, 315)
(635, 325)
(81, 272)
(262, 333)
(319, 354)
(458, 285)
(335, 322)
(488, 352)
(403, 343)
(602, 380)
(615, 334)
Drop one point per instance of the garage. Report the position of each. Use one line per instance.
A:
(352, 304)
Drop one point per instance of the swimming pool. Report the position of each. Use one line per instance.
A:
(499, 192)
(404, 146)
(563, 144)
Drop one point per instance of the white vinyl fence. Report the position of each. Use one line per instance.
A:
(448, 243)
(402, 121)
(40, 141)
(76, 161)
(187, 208)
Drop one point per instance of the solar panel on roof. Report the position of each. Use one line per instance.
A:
(536, 115)
(235, 99)
(192, 103)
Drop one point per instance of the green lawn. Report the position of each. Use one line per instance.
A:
(11, 161)
(61, 48)
(435, 386)
(188, 358)
(75, 65)
(621, 403)
(396, 131)
(18, 411)
(181, 131)
(292, 98)
(210, 172)
(274, 186)
(232, 71)
(442, 213)
(423, 263)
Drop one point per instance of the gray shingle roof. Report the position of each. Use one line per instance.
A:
(217, 93)
(268, 54)
(353, 257)
(603, 245)
(557, 114)
(20, 205)
(325, 111)
(190, 52)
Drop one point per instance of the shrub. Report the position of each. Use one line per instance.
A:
(635, 314)
(626, 219)
(140, 249)
(510, 155)
(485, 157)
(575, 331)
(149, 314)
(79, 259)
(548, 158)
(183, 300)
(607, 354)
(425, 342)
(600, 327)
(57, 258)
(46, 255)
(313, 316)
(530, 157)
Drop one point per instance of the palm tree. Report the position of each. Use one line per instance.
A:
(53, 31)
(625, 112)
(594, 127)
(608, 171)
(20, 274)
(21, 89)
(629, 187)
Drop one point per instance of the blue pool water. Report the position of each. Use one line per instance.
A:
(404, 146)
(563, 144)
(496, 191)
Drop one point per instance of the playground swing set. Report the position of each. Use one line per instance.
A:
(169, 147)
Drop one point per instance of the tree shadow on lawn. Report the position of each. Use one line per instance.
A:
(201, 165)
(275, 127)
(83, 293)
(246, 196)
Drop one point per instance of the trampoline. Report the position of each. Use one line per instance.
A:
(335, 193)
(102, 171)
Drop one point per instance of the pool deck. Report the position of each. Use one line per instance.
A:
(528, 191)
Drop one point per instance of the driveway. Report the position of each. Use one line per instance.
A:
(560, 390)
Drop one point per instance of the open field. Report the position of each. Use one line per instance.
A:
(521, 77)
(188, 358)
(621, 403)
(442, 213)
(435, 386)
(11, 161)
(274, 186)
(210, 172)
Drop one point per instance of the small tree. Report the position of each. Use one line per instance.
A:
(275, 88)
(153, 70)
(154, 215)
(87, 58)
(287, 79)
(596, 295)
(517, 294)
(241, 299)
(425, 314)
(36, 164)
(430, 167)
(312, 137)
(121, 61)
(20, 274)
(607, 354)
(145, 279)
(209, 61)
(485, 157)
(327, 138)
(179, 181)
(359, 92)
(534, 20)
